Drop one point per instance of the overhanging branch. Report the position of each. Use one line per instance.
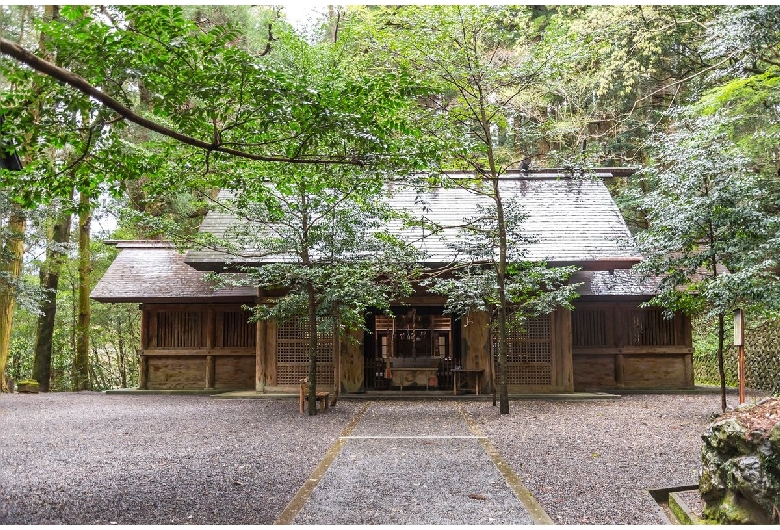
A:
(79, 83)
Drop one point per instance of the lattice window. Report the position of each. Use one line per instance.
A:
(179, 329)
(292, 353)
(529, 351)
(589, 327)
(648, 327)
(237, 331)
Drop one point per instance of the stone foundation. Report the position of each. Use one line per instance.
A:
(740, 480)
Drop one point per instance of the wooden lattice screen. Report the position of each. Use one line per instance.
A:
(762, 359)
(589, 328)
(529, 351)
(292, 353)
(648, 327)
(179, 329)
(237, 331)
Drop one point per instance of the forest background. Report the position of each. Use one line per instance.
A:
(688, 95)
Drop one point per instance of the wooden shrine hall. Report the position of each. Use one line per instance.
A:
(194, 336)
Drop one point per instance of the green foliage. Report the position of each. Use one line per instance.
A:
(531, 288)
(114, 338)
(321, 228)
(708, 210)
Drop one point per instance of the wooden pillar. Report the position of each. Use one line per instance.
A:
(144, 327)
(688, 370)
(620, 371)
(352, 365)
(563, 361)
(336, 359)
(143, 371)
(260, 356)
(211, 366)
(477, 351)
(270, 353)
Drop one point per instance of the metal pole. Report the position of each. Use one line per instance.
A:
(739, 340)
(741, 374)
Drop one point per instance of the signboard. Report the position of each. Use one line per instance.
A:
(739, 325)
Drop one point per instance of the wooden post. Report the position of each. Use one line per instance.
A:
(688, 370)
(143, 371)
(211, 366)
(144, 327)
(336, 361)
(270, 353)
(563, 350)
(260, 353)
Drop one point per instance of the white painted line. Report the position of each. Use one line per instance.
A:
(400, 437)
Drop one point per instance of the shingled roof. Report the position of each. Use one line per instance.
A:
(618, 282)
(154, 271)
(574, 220)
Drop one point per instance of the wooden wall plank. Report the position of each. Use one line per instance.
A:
(234, 373)
(655, 372)
(198, 352)
(635, 350)
(152, 329)
(214, 328)
(593, 372)
(174, 373)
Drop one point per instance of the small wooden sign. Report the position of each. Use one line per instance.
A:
(739, 325)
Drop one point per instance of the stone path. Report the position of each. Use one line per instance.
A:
(412, 463)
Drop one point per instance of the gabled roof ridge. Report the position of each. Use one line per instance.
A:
(139, 243)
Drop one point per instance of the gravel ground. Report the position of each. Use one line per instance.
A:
(413, 463)
(91, 458)
(591, 462)
(154, 459)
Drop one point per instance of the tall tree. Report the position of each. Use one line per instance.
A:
(81, 373)
(479, 71)
(50, 276)
(11, 255)
(318, 228)
(711, 241)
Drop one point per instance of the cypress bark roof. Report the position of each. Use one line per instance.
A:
(573, 220)
(154, 271)
(618, 282)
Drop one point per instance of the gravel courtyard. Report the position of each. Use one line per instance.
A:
(91, 458)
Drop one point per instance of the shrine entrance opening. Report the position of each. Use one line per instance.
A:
(416, 348)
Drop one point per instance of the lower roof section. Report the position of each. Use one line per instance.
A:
(155, 272)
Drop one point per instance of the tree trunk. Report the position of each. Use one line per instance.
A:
(312, 349)
(81, 362)
(502, 303)
(50, 279)
(503, 396)
(14, 246)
